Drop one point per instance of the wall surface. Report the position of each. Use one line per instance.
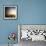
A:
(29, 12)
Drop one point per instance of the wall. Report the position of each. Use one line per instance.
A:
(33, 12)
(7, 26)
(29, 12)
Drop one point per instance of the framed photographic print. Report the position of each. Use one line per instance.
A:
(32, 32)
(10, 12)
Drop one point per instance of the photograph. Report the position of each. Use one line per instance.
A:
(10, 12)
(33, 32)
